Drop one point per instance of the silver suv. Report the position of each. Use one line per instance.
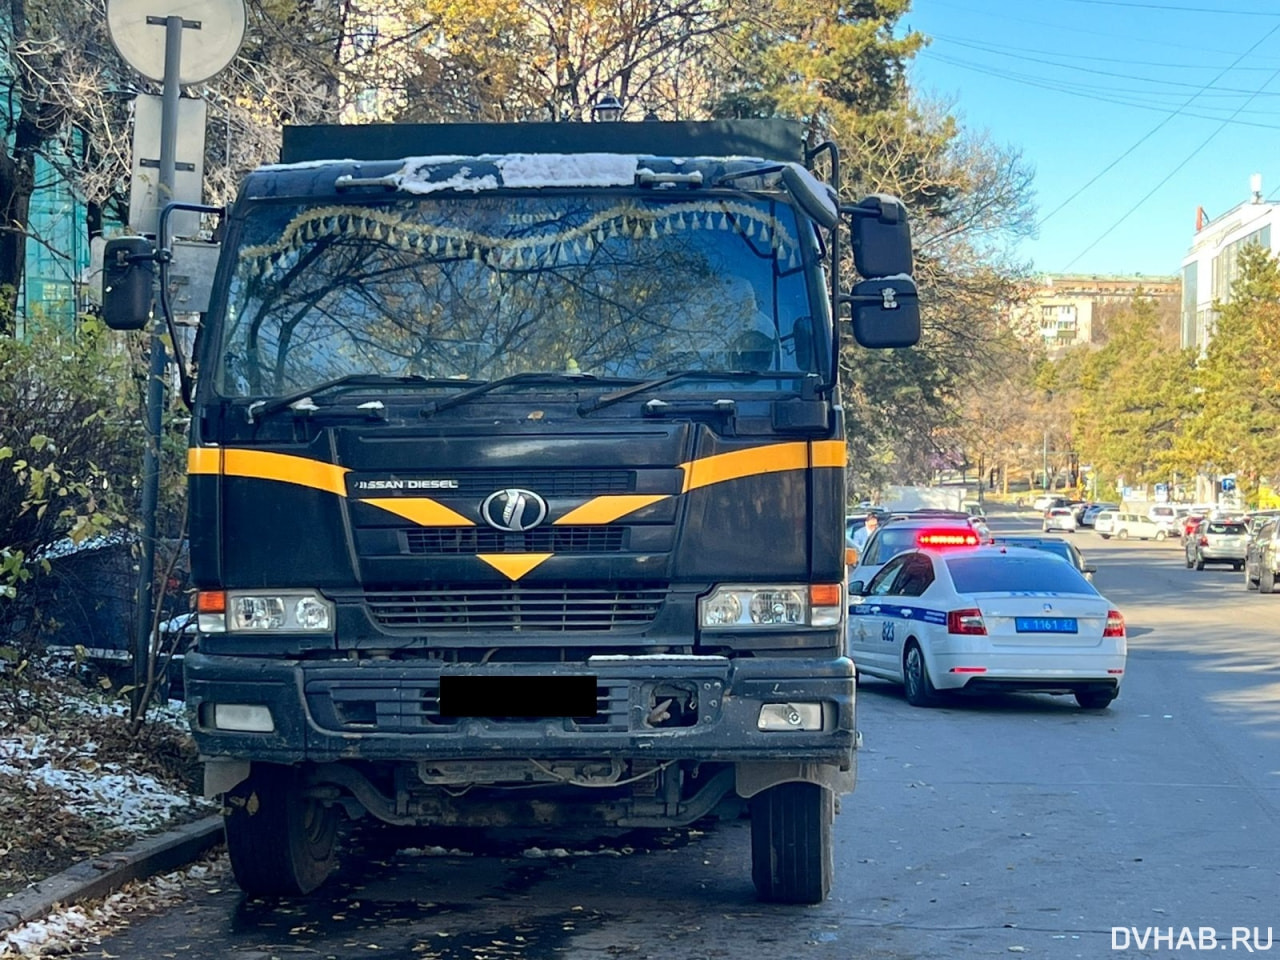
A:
(1262, 556)
(1217, 541)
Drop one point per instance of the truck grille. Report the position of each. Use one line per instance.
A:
(356, 705)
(518, 608)
(473, 540)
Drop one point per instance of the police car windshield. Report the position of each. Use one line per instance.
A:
(1015, 573)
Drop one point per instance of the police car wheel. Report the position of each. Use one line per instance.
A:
(792, 858)
(280, 842)
(916, 684)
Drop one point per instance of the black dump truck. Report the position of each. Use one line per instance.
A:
(517, 484)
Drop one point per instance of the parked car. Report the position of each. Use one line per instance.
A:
(1217, 541)
(1165, 513)
(1047, 501)
(1059, 547)
(1104, 522)
(1090, 513)
(1262, 556)
(1136, 526)
(1060, 518)
(987, 619)
(1188, 526)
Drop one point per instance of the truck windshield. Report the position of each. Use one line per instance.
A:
(481, 287)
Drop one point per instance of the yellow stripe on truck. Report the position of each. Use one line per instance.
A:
(771, 458)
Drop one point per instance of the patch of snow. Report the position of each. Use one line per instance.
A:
(71, 928)
(568, 170)
(127, 801)
(415, 177)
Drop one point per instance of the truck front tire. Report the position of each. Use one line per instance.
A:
(280, 842)
(791, 843)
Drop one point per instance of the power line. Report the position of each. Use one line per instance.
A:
(1180, 9)
(1102, 73)
(999, 47)
(1200, 87)
(1067, 28)
(1076, 91)
(1150, 193)
(1150, 133)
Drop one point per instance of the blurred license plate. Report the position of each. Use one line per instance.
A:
(1045, 624)
(517, 696)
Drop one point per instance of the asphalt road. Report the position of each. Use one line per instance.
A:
(1010, 825)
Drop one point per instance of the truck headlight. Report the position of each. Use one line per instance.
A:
(735, 607)
(286, 611)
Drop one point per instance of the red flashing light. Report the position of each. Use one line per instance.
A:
(1115, 624)
(967, 622)
(947, 538)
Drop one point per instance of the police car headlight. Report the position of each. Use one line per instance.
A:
(737, 607)
(292, 611)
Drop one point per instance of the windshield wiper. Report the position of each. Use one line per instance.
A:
(352, 381)
(608, 399)
(528, 377)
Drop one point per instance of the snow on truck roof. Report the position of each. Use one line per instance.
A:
(485, 172)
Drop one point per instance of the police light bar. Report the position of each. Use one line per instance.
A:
(947, 538)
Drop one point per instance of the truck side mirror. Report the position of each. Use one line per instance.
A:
(128, 280)
(881, 236)
(886, 312)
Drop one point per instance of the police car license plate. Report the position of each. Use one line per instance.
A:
(1045, 625)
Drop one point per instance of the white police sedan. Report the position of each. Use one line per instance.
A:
(984, 619)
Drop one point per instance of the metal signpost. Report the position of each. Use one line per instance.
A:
(148, 35)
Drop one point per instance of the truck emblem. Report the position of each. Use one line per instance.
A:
(513, 510)
(1048, 608)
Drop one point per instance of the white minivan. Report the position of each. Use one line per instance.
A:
(1136, 526)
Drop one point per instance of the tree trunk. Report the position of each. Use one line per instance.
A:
(17, 183)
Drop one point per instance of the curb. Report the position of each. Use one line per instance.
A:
(103, 875)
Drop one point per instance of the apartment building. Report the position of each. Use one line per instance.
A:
(1064, 309)
(1213, 262)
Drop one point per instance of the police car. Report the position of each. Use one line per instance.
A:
(985, 618)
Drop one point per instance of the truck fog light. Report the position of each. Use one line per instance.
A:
(790, 716)
(249, 717)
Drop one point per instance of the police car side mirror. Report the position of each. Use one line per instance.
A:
(856, 588)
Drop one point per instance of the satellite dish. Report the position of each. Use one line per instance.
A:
(212, 31)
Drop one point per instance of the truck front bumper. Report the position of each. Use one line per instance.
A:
(381, 710)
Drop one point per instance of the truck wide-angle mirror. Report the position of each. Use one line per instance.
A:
(128, 279)
(881, 236)
(886, 312)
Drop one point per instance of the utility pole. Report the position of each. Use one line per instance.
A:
(1046, 461)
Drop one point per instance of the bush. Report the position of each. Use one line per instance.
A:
(71, 439)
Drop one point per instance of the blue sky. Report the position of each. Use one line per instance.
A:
(1187, 90)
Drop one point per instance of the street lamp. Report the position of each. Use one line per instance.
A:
(607, 109)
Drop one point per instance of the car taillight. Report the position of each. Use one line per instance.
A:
(1115, 624)
(947, 538)
(967, 622)
(1204, 541)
